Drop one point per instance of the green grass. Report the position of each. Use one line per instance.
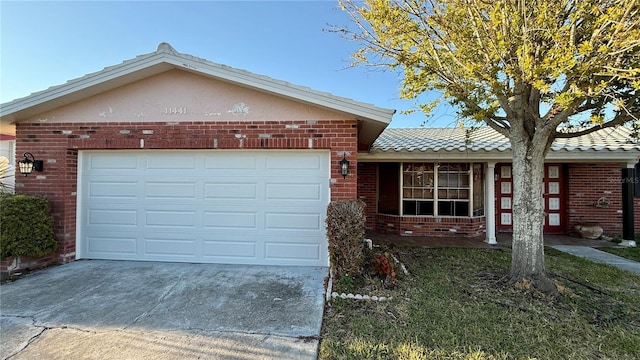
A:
(455, 305)
(625, 252)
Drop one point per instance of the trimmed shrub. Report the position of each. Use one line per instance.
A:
(26, 227)
(345, 232)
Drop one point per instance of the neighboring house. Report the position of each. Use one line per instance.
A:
(8, 152)
(169, 157)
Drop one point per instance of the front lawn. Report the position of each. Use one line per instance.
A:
(631, 253)
(454, 305)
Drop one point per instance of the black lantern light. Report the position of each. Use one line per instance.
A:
(29, 164)
(344, 167)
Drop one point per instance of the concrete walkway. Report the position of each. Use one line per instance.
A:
(600, 257)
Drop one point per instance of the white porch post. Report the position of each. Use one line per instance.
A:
(490, 204)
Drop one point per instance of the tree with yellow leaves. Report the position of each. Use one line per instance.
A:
(532, 70)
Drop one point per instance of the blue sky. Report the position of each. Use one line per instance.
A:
(46, 43)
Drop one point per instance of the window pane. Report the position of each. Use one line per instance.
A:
(409, 207)
(428, 180)
(419, 194)
(443, 179)
(427, 194)
(425, 208)
(450, 194)
(464, 180)
(445, 208)
(461, 208)
(417, 181)
(454, 180)
(463, 194)
(407, 179)
(453, 208)
(442, 194)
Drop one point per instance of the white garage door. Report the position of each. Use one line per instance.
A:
(234, 207)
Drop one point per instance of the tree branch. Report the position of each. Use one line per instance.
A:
(619, 119)
(499, 126)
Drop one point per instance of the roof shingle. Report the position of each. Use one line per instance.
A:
(487, 139)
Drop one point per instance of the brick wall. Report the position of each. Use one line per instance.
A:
(57, 144)
(587, 183)
(367, 191)
(430, 226)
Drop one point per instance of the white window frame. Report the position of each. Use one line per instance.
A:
(436, 167)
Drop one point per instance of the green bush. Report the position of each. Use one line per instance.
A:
(26, 227)
(345, 232)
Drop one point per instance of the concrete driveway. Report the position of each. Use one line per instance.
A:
(96, 309)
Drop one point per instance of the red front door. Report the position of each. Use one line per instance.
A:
(554, 198)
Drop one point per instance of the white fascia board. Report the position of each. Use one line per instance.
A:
(592, 155)
(471, 156)
(88, 81)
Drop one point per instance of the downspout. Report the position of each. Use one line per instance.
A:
(628, 185)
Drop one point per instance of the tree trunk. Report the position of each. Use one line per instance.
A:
(527, 259)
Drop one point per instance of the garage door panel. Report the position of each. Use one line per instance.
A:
(293, 163)
(293, 191)
(167, 218)
(230, 190)
(117, 217)
(230, 250)
(170, 190)
(291, 203)
(105, 161)
(244, 207)
(112, 245)
(292, 221)
(113, 189)
(283, 251)
(230, 220)
(170, 247)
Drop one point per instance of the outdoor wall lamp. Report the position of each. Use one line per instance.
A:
(344, 167)
(29, 163)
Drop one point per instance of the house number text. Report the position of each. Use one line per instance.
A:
(175, 110)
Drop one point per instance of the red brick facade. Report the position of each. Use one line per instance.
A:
(430, 226)
(589, 183)
(367, 191)
(57, 144)
(585, 185)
